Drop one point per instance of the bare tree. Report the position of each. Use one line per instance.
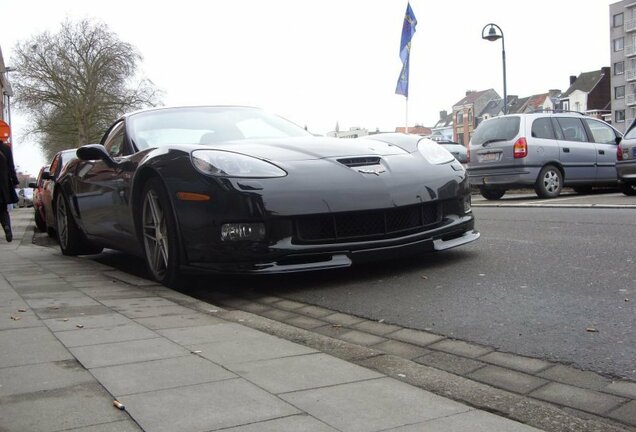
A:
(75, 82)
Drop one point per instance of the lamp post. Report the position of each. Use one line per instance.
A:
(492, 36)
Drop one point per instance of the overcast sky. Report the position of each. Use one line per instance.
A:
(318, 62)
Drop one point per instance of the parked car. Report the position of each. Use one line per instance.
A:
(238, 190)
(626, 164)
(546, 151)
(38, 205)
(25, 197)
(45, 190)
(458, 150)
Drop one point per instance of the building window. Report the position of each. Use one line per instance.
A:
(619, 92)
(619, 44)
(618, 20)
(619, 116)
(577, 106)
(460, 117)
(565, 105)
(619, 68)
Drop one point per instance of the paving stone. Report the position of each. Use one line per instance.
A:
(288, 305)
(210, 333)
(302, 372)
(460, 348)
(361, 338)
(56, 410)
(294, 423)
(148, 301)
(255, 307)
(119, 426)
(103, 335)
(305, 322)
(401, 349)
(331, 330)
(622, 388)
(416, 337)
(135, 312)
(450, 363)
(71, 311)
(159, 375)
(342, 319)
(473, 421)
(574, 397)
(626, 413)
(232, 351)
(267, 299)
(26, 319)
(88, 321)
(129, 279)
(575, 377)
(507, 379)
(314, 311)
(40, 377)
(30, 346)
(205, 407)
(127, 352)
(178, 321)
(512, 361)
(376, 327)
(277, 314)
(372, 405)
(73, 300)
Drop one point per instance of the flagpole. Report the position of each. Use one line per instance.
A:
(406, 128)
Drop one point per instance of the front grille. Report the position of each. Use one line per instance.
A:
(367, 225)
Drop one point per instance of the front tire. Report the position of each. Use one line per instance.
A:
(72, 241)
(491, 194)
(549, 183)
(159, 234)
(628, 189)
(39, 221)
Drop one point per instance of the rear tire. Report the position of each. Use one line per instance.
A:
(549, 183)
(628, 189)
(72, 240)
(159, 234)
(491, 194)
(40, 224)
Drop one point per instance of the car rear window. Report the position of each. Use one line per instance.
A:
(542, 128)
(496, 129)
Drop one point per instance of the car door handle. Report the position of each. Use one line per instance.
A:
(601, 152)
(566, 150)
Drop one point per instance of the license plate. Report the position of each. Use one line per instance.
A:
(488, 157)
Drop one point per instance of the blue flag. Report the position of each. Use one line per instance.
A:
(408, 29)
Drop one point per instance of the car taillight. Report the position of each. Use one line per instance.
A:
(619, 153)
(520, 149)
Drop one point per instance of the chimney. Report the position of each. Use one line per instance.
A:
(605, 70)
(572, 79)
(443, 114)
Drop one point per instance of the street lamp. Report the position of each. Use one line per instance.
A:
(492, 36)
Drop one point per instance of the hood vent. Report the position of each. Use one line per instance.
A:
(360, 161)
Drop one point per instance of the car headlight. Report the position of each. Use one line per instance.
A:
(433, 152)
(230, 164)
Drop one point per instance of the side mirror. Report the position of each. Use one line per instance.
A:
(46, 175)
(618, 139)
(95, 152)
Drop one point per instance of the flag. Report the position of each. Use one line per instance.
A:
(408, 29)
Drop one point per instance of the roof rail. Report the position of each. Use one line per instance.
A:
(551, 110)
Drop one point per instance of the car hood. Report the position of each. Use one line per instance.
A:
(309, 148)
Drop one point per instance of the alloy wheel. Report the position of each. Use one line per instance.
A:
(551, 181)
(155, 234)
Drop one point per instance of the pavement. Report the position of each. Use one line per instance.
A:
(79, 338)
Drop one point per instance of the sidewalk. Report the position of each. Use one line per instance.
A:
(74, 337)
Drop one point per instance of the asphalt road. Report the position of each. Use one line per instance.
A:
(535, 284)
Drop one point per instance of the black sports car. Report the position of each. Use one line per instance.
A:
(238, 190)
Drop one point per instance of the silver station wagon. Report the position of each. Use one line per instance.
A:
(544, 151)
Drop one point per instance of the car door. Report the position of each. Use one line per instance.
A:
(102, 192)
(604, 137)
(576, 151)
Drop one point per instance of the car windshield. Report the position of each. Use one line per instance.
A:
(207, 125)
(496, 129)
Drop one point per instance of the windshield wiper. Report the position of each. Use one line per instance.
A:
(485, 143)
